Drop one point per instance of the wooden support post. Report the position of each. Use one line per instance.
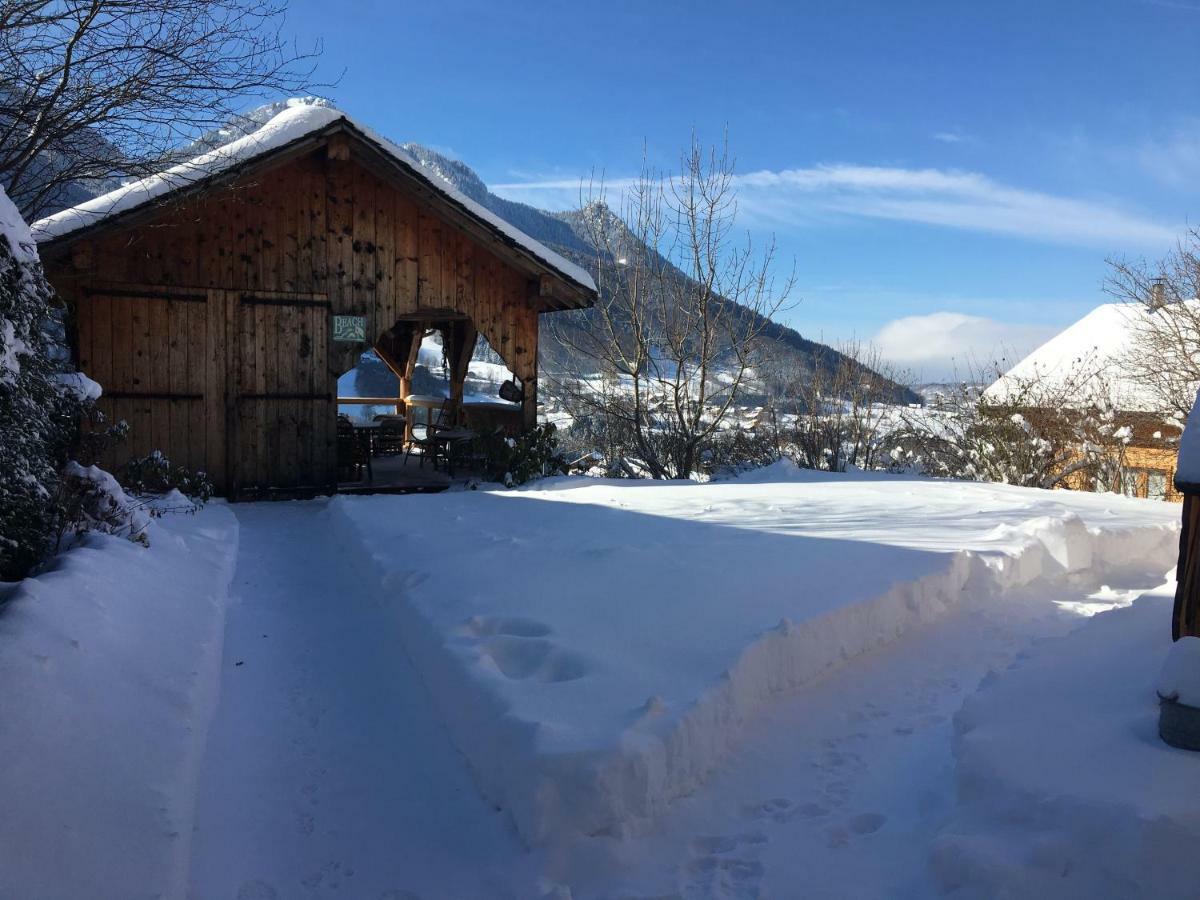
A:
(410, 360)
(529, 404)
(1185, 622)
(460, 337)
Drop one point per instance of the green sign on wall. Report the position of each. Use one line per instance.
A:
(350, 328)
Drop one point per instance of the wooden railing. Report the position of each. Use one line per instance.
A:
(370, 401)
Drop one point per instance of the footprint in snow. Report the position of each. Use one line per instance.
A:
(867, 823)
(724, 866)
(256, 890)
(856, 826)
(776, 808)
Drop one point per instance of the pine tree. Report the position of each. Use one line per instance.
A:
(38, 407)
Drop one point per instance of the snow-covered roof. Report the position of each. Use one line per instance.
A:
(1084, 361)
(298, 121)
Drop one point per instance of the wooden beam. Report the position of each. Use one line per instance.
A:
(460, 346)
(410, 361)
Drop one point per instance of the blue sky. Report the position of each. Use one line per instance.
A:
(948, 177)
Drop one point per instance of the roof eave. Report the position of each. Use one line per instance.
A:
(571, 294)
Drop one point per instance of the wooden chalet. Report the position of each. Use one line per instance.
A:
(219, 302)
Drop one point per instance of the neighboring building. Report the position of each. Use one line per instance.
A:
(218, 302)
(1082, 365)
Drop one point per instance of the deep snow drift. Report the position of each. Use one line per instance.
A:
(109, 670)
(1065, 788)
(597, 647)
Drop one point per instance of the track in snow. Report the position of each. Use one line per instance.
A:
(327, 772)
(838, 790)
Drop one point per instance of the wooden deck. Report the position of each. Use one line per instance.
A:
(392, 475)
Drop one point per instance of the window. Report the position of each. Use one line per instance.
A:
(1131, 482)
(1156, 485)
(368, 381)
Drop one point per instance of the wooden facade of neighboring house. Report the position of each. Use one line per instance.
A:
(1081, 368)
(208, 313)
(1147, 463)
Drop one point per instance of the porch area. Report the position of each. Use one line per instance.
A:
(409, 415)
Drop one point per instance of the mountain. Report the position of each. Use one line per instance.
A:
(565, 232)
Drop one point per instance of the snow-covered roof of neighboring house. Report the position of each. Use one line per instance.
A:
(1083, 362)
(300, 120)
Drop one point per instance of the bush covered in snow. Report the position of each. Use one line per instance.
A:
(38, 408)
(1038, 435)
(512, 461)
(156, 475)
(90, 499)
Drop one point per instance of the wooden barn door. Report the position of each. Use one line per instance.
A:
(283, 414)
(160, 355)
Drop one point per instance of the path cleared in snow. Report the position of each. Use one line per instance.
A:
(327, 772)
(840, 790)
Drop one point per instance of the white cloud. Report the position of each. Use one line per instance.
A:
(954, 136)
(967, 201)
(943, 345)
(1174, 157)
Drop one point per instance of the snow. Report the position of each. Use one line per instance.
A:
(669, 689)
(12, 349)
(79, 386)
(107, 508)
(294, 123)
(13, 227)
(1187, 469)
(1084, 360)
(1066, 789)
(1180, 676)
(109, 666)
(327, 771)
(596, 647)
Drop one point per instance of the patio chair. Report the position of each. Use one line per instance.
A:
(389, 440)
(425, 437)
(352, 457)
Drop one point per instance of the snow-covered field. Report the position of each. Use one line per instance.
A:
(731, 689)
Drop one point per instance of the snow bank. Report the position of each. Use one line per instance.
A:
(1065, 788)
(109, 666)
(78, 386)
(1187, 469)
(596, 646)
(1180, 676)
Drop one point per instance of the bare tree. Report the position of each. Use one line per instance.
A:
(1050, 430)
(675, 338)
(1165, 358)
(92, 90)
(839, 414)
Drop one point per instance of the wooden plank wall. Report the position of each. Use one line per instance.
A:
(313, 227)
(153, 351)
